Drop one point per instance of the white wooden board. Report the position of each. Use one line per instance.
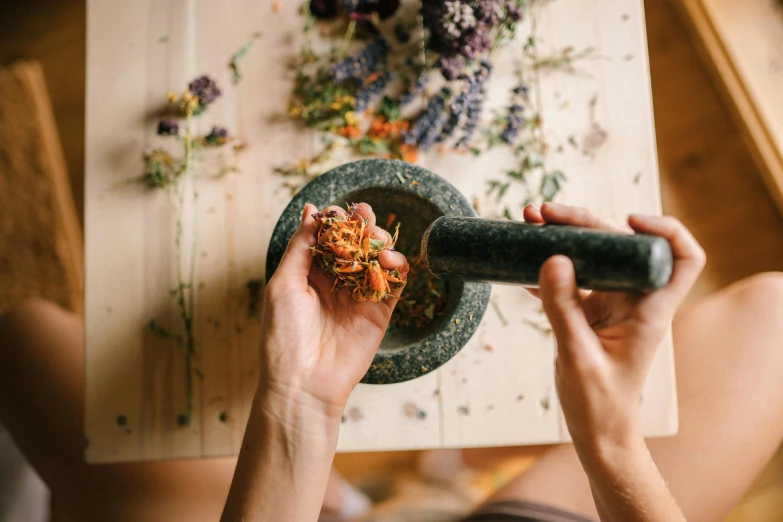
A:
(138, 51)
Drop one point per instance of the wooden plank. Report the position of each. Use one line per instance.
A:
(158, 48)
(742, 43)
(40, 236)
(115, 277)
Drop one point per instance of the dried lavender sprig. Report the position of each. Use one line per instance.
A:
(514, 122)
(428, 118)
(433, 132)
(450, 126)
(363, 63)
(372, 91)
(475, 102)
(414, 90)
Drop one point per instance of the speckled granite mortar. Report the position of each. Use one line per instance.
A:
(405, 353)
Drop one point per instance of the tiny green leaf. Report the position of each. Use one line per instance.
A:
(377, 244)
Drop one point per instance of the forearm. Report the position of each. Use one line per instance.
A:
(284, 463)
(626, 483)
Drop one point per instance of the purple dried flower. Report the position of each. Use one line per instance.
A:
(168, 127)
(217, 136)
(514, 12)
(324, 9)
(427, 119)
(474, 42)
(521, 89)
(414, 90)
(514, 122)
(450, 66)
(457, 18)
(487, 11)
(433, 132)
(372, 91)
(449, 127)
(205, 89)
(363, 63)
(475, 102)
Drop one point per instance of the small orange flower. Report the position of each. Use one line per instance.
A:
(378, 282)
(349, 131)
(409, 153)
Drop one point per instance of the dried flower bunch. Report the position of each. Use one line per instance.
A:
(395, 82)
(162, 169)
(456, 39)
(177, 177)
(351, 258)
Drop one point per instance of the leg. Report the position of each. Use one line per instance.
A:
(729, 357)
(42, 403)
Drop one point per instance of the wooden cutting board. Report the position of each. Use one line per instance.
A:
(498, 391)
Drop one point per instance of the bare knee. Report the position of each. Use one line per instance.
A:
(754, 306)
(24, 315)
(761, 292)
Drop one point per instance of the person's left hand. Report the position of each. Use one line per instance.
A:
(317, 342)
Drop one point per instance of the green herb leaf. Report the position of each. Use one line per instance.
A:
(369, 147)
(551, 184)
(390, 109)
(377, 244)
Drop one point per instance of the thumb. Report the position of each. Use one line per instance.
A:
(297, 259)
(562, 304)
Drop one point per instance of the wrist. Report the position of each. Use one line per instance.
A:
(298, 417)
(612, 450)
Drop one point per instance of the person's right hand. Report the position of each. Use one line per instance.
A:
(606, 341)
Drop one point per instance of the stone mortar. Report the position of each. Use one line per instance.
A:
(387, 185)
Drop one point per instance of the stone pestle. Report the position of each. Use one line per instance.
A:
(494, 251)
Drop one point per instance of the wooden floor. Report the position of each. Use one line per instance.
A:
(708, 177)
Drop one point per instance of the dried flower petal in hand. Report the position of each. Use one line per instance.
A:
(343, 252)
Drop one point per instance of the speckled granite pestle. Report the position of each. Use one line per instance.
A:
(417, 197)
(472, 249)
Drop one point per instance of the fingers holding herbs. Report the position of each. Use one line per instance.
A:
(357, 254)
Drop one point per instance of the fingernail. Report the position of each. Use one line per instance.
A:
(535, 207)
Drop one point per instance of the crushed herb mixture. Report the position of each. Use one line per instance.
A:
(423, 299)
(343, 252)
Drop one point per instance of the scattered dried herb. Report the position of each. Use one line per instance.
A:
(424, 297)
(178, 177)
(344, 252)
(234, 63)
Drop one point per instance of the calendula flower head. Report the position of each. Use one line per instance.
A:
(350, 258)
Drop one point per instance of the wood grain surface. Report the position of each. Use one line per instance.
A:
(743, 45)
(498, 391)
